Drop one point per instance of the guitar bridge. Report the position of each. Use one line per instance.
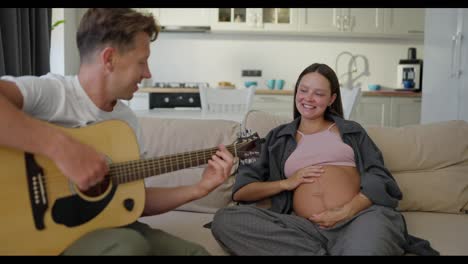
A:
(37, 190)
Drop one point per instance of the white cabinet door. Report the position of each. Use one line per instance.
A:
(184, 16)
(373, 111)
(441, 86)
(404, 21)
(236, 19)
(405, 111)
(280, 19)
(255, 19)
(322, 20)
(363, 20)
(342, 20)
(388, 111)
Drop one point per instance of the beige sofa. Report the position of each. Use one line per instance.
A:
(429, 162)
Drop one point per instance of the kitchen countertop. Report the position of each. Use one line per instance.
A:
(391, 93)
(168, 90)
(195, 90)
(282, 92)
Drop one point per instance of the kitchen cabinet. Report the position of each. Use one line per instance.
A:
(180, 16)
(342, 21)
(388, 111)
(280, 19)
(404, 21)
(373, 111)
(184, 16)
(254, 19)
(445, 81)
(360, 22)
(405, 111)
(234, 19)
(281, 105)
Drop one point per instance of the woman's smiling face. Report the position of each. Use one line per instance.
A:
(313, 95)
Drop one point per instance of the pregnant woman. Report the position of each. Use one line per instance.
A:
(329, 189)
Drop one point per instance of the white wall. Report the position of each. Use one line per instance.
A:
(57, 45)
(213, 57)
(64, 56)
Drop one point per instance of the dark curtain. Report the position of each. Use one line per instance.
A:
(25, 41)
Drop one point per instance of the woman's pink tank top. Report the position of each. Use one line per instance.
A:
(321, 148)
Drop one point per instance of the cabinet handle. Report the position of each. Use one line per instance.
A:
(456, 46)
(452, 50)
(458, 71)
(415, 31)
(458, 39)
(338, 22)
(269, 99)
(345, 23)
(376, 18)
(417, 100)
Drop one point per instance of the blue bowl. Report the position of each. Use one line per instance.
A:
(408, 84)
(373, 87)
(250, 83)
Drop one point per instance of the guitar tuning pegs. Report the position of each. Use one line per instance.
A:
(248, 132)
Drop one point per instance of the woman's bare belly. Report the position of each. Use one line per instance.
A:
(337, 186)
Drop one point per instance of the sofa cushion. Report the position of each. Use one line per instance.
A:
(262, 122)
(173, 136)
(422, 147)
(442, 190)
(446, 232)
(429, 162)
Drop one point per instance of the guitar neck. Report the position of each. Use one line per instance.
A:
(139, 169)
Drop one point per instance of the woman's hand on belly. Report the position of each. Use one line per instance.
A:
(304, 175)
(334, 189)
(330, 217)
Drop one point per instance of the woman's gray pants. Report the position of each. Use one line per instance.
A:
(249, 230)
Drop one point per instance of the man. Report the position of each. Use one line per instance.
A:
(114, 46)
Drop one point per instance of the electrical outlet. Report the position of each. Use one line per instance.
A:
(251, 73)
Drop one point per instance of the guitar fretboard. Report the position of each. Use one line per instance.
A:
(139, 169)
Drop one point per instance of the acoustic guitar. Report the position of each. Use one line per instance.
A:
(43, 212)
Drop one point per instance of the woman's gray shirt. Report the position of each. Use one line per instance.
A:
(377, 183)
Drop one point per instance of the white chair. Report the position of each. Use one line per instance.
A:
(349, 98)
(219, 100)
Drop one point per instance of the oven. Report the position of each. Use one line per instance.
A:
(178, 95)
(174, 99)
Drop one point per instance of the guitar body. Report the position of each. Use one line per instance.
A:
(65, 213)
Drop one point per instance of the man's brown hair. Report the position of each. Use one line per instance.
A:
(112, 26)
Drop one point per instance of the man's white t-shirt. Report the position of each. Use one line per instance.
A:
(62, 100)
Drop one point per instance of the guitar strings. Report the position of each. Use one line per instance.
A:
(138, 169)
(131, 170)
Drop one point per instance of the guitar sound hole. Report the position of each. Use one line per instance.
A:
(98, 189)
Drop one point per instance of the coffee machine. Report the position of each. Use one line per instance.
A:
(409, 72)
